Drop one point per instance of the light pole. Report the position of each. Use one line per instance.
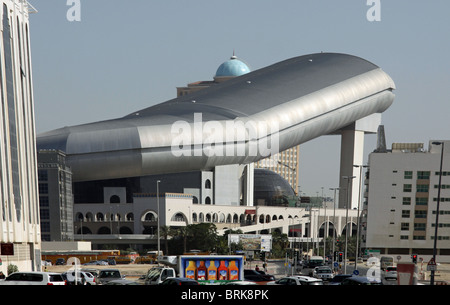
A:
(157, 208)
(357, 215)
(334, 219)
(349, 179)
(437, 211)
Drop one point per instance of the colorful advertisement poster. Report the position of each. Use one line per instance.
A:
(212, 269)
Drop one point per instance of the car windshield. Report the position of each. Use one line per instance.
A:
(56, 278)
(113, 274)
(323, 270)
(154, 274)
(312, 283)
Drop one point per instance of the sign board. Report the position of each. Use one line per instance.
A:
(212, 269)
(372, 253)
(252, 242)
(7, 249)
(431, 266)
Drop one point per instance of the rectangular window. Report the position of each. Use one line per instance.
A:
(420, 227)
(420, 214)
(407, 188)
(406, 213)
(42, 175)
(423, 175)
(404, 226)
(422, 188)
(43, 201)
(406, 200)
(43, 188)
(418, 237)
(421, 201)
(408, 175)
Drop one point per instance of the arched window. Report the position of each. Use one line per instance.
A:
(100, 216)
(207, 184)
(178, 217)
(149, 217)
(114, 199)
(207, 200)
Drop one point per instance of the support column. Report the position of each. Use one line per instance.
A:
(352, 152)
(248, 184)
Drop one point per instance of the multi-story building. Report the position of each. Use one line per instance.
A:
(55, 196)
(399, 216)
(19, 213)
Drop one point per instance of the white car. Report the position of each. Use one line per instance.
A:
(324, 273)
(34, 278)
(82, 278)
(390, 273)
(297, 280)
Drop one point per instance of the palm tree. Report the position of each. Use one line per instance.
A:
(165, 232)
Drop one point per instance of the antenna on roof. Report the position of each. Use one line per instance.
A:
(234, 56)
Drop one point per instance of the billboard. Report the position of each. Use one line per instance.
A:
(252, 242)
(212, 269)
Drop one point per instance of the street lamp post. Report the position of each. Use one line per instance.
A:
(334, 219)
(349, 179)
(357, 215)
(157, 208)
(436, 225)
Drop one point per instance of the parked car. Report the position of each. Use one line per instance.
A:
(235, 283)
(107, 275)
(81, 278)
(297, 280)
(121, 282)
(338, 278)
(325, 273)
(34, 278)
(179, 281)
(257, 276)
(360, 280)
(390, 273)
(60, 261)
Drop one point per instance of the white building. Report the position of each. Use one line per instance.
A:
(136, 223)
(401, 201)
(19, 209)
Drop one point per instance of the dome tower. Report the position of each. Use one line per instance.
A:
(231, 68)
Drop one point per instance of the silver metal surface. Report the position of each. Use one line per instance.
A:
(304, 97)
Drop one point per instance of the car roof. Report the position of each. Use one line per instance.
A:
(305, 278)
(182, 279)
(363, 279)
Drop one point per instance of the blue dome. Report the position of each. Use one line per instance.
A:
(232, 67)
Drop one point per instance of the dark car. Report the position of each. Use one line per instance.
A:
(60, 261)
(257, 276)
(338, 278)
(179, 281)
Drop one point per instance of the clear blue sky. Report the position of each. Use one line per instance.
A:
(127, 55)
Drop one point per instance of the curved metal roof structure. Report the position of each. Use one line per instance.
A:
(301, 98)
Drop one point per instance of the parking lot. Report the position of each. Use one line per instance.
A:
(278, 268)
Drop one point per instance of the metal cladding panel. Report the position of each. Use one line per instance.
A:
(297, 100)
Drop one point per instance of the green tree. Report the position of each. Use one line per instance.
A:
(165, 232)
(279, 244)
